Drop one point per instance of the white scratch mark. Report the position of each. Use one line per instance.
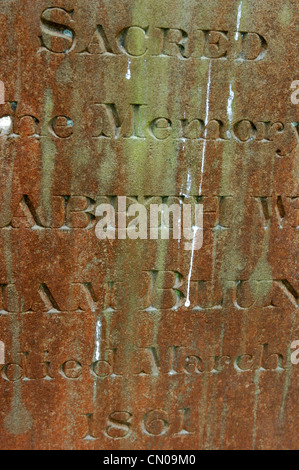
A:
(128, 74)
(230, 103)
(230, 107)
(98, 337)
(239, 20)
(187, 303)
(97, 352)
(231, 91)
(188, 185)
(5, 125)
(180, 222)
(206, 122)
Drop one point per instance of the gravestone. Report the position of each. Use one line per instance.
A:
(123, 343)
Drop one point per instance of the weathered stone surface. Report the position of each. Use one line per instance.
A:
(100, 350)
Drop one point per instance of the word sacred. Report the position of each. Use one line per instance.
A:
(61, 34)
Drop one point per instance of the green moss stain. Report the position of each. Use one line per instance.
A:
(150, 83)
(19, 420)
(64, 73)
(48, 154)
(286, 14)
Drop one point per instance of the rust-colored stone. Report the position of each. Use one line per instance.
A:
(141, 344)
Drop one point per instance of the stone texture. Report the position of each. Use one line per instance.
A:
(87, 364)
